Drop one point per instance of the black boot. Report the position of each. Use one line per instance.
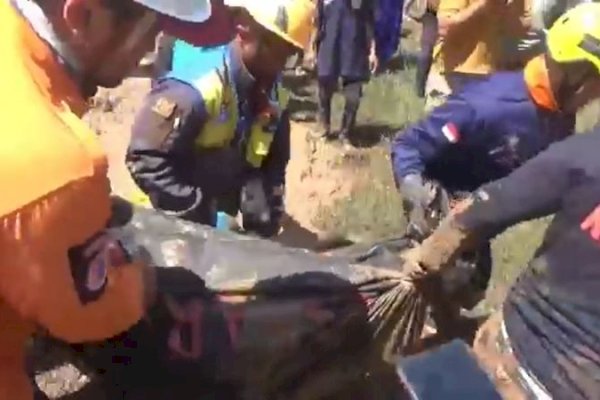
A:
(348, 122)
(352, 95)
(326, 89)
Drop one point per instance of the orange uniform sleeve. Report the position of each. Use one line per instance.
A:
(61, 271)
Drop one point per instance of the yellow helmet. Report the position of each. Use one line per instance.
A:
(292, 20)
(575, 36)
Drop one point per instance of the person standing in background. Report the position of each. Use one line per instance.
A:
(214, 138)
(345, 49)
(388, 30)
(474, 40)
(424, 12)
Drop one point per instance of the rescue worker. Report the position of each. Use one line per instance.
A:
(545, 341)
(475, 39)
(345, 50)
(217, 141)
(429, 28)
(61, 269)
(491, 127)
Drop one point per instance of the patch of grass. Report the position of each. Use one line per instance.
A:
(511, 252)
(388, 100)
(588, 117)
(374, 211)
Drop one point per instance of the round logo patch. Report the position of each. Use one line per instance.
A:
(97, 273)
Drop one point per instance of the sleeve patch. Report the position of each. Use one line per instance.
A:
(164, 107)
(451, 132)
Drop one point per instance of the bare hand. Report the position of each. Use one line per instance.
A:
(373, 62)
(412, 266)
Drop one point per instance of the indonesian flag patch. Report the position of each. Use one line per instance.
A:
(451, 132)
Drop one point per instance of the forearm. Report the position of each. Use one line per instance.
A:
(535, 190)
(156, 176)
(274, 172)
(406, 161)
(449, 239)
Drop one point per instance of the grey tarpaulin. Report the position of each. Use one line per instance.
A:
(229, 263)
(239, 317)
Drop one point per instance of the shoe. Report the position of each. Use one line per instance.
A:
(343, 138)
(322, 132)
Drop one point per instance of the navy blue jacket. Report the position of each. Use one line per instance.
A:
(480, 134)
(552, 313)
(165, 163)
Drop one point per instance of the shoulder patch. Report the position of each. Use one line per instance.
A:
(164, 107)
(451, 132)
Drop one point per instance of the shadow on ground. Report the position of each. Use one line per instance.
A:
(401, 62)
(370, 135)
(302, 109)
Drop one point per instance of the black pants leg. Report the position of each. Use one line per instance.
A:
(352, 96)
(425, 58)
(327, 88)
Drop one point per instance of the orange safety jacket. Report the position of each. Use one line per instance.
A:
(59, 268)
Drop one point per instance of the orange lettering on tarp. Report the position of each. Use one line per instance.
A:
(591, 224)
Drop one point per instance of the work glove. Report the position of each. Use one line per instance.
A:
(417, 196)
(258, 212)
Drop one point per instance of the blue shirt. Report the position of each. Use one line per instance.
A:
(190, 60)
(479, 134)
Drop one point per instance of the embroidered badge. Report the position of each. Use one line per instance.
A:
(164, 107)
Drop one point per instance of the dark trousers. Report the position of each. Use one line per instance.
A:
(352, 91)
(425, 57)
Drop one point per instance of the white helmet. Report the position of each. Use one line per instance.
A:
(184, 10)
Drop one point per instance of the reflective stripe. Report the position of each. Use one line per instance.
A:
(258, 145)
(527, 379)
(219, 100)
(224, 122)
